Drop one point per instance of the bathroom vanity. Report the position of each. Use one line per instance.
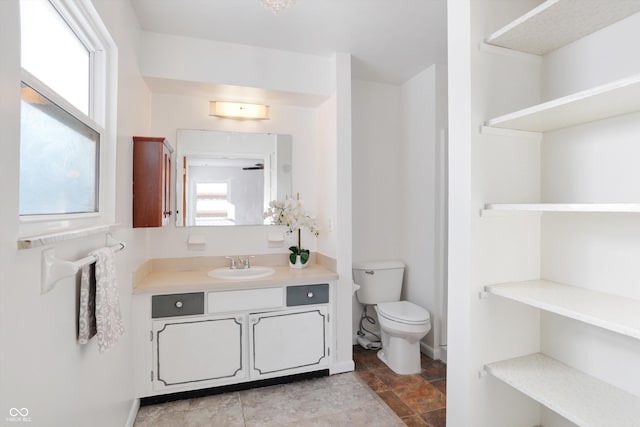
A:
(193, 331)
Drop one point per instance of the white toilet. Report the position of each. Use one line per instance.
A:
(402, 324)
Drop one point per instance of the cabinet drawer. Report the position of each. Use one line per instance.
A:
(177, 305)
(307, 294)
(245, 300)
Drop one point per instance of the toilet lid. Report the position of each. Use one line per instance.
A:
(403, 311)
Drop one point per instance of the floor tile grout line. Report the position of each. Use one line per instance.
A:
(429, 381)
(244, 419)
(377, 396)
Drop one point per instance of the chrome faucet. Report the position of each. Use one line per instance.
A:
(240, 262)
(233, 265)
(246, 261)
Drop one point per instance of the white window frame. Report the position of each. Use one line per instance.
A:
(86, 23)
(195, 199)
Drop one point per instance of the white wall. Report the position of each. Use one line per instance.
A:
(593, 60)
(378, 165)
(42, 367)
(503, 249)
(378, 185)
(459, 358)
(342, 208)
(422, 123)
(324, 156)
(197, 60)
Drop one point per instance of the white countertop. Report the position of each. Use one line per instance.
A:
(162, 282)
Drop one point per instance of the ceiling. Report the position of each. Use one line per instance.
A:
(390, 40)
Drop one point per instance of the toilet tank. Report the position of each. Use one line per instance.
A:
(380, 281)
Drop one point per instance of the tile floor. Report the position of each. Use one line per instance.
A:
(419, 400)
(390, 400)
(337, 400)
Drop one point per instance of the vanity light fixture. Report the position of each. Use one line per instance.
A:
(235, 110)
(277, 6)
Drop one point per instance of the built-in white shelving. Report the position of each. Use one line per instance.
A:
(611, 312)
(556, 23)
(609, 100)
(565, 207)
(580, 398)
(575, 395)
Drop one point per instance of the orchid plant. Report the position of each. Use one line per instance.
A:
(291, 214)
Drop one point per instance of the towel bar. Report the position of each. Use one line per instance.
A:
(55, 269)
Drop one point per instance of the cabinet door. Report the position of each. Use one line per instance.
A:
(151, 181)
(166, 190)
(287, 342)
(198, 352)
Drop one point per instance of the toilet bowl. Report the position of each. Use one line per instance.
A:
(402, 326)
(402, 323)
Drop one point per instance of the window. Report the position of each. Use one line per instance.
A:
(58, 159)
(212, 204)
(68, 92)
(52, 52)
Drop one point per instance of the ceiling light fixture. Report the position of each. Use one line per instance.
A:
(277, 6)
(235, 110)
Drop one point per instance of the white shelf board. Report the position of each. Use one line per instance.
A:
(580, 398)
(565, 207)
(556, 23)
(611, 312)
(609, 100)
(51, 238)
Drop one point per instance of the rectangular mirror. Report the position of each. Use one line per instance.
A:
(229, 178)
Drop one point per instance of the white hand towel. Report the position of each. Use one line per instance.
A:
(108, 318)
(87, 309)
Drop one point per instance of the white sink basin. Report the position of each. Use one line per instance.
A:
(241, 273)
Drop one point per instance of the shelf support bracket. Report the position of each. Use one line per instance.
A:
(482, 373)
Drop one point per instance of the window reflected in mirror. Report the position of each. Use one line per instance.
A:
(229, 178)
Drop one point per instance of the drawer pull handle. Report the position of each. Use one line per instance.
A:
(179, 304)
(310, 295)
(371, 272)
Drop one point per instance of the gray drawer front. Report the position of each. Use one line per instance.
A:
(307, 294)
(177, 305)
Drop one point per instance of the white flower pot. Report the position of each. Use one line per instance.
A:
(298, 263)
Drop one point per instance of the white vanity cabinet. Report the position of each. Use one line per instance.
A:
(214, 338)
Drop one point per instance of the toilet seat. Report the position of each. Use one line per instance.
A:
(403, 312)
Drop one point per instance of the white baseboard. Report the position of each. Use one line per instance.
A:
(443, 354)
(343, 366)
(436, 354)
(133, 412)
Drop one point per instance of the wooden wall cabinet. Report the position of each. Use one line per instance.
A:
(151, 181)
